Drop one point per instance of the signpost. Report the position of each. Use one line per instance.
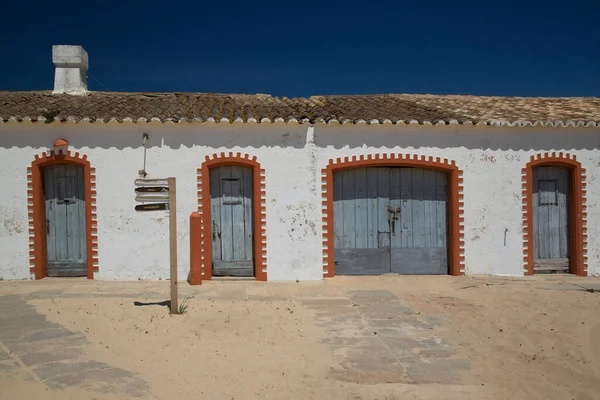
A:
(173, 243)
(162, 195)
(152, 207)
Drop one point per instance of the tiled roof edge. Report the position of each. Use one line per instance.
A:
(291, 120)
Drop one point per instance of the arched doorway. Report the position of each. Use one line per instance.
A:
(390, 220)
(392, 214)
(232, 221)
(554, 215)
(62, 208)
(232, 206)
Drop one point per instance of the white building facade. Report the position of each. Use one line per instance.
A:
(489, 168)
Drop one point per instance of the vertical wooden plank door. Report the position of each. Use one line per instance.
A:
(420, 245)
(231, 214)
(361, 230)
(551, 219)
(65, 220)
(390, 219)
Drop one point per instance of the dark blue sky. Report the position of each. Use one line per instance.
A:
(303, 48)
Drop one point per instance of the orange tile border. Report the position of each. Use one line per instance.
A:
(577, 210)
(195, 250)
(259, 205)
(456, 241)
(37, 210)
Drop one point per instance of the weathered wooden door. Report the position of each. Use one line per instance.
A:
(231, 212)
(65, 220)
(551, 219)
(390, 220)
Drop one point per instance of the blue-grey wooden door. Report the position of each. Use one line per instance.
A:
(65, 220)
(390, 220)
(231, 212)
(551, 219)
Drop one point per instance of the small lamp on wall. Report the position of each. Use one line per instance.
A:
(60, 146)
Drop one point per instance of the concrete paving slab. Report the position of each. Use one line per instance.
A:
(366, 358)
(22, 326)
(409, 323)
(589, 286)
(335, 311)
(64, 367)
(24, 347)
(7, 314)
(33, 336)
(4, 356)
(109, 380)
(11, 299)
(385, 311)
(8, 365)
(348, 328)
(446, 371)
(352, 341)
(371, 297)
(400, 332)
(55, 354)
(417, 347)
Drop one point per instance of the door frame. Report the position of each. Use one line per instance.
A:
(37, 210)
(455, 240)
(577, 210)
(204, 209)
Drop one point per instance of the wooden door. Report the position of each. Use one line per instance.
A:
(419, 237)
(231, 214)
(551, 219)
(65, 220)
(361, 221)
(390, 220)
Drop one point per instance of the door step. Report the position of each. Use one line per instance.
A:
(551, 266)
(233, 278)
(550, 270)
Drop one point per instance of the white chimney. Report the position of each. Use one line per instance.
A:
(71, 64)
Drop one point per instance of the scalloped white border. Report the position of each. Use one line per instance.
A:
(320, 120)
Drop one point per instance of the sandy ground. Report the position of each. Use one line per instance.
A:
(524, 338)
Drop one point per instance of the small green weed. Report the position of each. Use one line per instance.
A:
(183, 306)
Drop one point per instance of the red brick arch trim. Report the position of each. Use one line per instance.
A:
(456, 241)
(259, 204)
(37, 210)
(577, 210)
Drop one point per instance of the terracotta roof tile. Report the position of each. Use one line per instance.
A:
(394, 108)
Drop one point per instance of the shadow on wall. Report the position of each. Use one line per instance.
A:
(225, 136)
(469, 137)
(123, 136)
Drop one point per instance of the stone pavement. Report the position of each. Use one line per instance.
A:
(376, 338)
(53, 356)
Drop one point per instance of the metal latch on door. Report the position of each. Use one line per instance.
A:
(66, 200)
(215, 231)
(393, 216)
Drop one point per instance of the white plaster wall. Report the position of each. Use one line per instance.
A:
(491, 159)
(134, 245)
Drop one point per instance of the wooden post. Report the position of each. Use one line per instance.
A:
(173, 242)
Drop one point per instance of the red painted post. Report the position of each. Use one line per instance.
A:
(195, 249)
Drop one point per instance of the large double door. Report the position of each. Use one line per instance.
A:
(390, 220)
